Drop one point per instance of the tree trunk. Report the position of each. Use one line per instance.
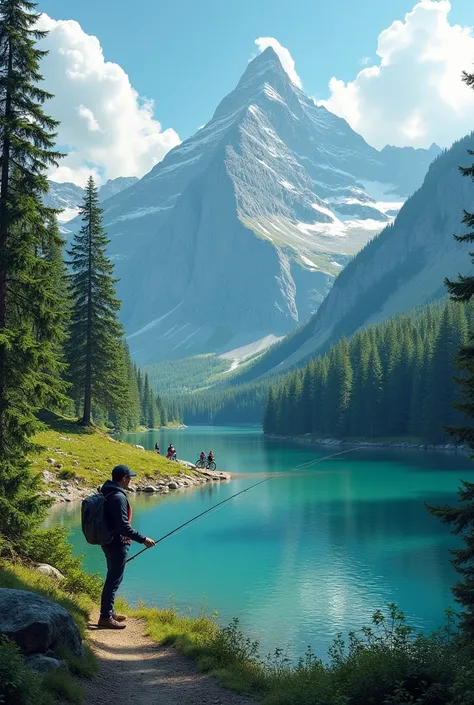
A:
(4, 188)
(87, 416)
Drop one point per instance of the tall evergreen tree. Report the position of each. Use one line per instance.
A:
(127, 416)
(374, 391)
(31, 312)
(95, 353)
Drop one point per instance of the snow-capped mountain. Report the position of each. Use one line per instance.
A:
(239, 232)
(68, 197)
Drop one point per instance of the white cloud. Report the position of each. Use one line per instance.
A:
(415, 95)
(108, 129)
(283, 54)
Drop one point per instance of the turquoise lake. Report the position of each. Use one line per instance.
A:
(305, 556)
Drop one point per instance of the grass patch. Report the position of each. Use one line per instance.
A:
(88, 455)
(62, 687)
(386, 663)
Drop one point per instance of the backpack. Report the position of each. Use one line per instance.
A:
(94, 522)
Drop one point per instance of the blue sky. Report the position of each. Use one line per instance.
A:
(132, 80)
(187, 55)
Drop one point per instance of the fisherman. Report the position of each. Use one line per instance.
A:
(157, 448)
(118, 514)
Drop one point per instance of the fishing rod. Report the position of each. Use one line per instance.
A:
(233, 496)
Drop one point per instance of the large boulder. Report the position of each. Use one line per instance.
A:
(50, 571)
(36, 624)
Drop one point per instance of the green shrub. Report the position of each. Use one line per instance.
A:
(62, 688)
(386, 663)
(52, 546)
(18, 685)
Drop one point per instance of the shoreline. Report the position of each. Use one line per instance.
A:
(62, 491)
(403, 445)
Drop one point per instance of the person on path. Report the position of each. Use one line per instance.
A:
(118, 514)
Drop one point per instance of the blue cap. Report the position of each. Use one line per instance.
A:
(121, 471)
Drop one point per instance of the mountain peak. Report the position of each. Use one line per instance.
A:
(266, 68)
(266, 62)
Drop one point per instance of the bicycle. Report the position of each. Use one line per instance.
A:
(206, 465)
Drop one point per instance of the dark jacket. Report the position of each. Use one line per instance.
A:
(118, 513)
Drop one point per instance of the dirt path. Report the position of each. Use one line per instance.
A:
(133, 669)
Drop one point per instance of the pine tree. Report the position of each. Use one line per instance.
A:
(165, 416)
(127, 416)
(271, 413)
(338, 389)
(373, 398)
(95, 353)
(417, 396)
(31, 311)
(307, 399)
(360, 354)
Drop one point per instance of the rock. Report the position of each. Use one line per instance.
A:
(50, 571)
(149, 488)
(173, 485)
(75, 463)
(36, 624)
(64, 438)
(42, 664)
(58, 466)
(164, 490)
(48, 476)
(51, 461)
(139, 447)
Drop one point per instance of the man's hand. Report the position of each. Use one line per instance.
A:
(149, 543)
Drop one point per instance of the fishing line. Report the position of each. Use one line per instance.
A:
(233, 496)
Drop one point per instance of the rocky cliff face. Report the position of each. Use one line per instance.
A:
(240, 231)
(404, 267)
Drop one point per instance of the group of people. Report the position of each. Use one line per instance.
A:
(171, 453)
(210, 457)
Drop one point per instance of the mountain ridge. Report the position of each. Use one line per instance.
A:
(400, 269)
(238, 234)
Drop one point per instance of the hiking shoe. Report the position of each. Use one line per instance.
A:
(109, 623)
(119, 617)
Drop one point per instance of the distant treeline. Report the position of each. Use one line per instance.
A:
(396, 379)
(223, 406)
(182, 376)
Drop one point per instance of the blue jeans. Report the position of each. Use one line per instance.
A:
(116, 555)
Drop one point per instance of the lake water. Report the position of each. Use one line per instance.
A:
(304, 556)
